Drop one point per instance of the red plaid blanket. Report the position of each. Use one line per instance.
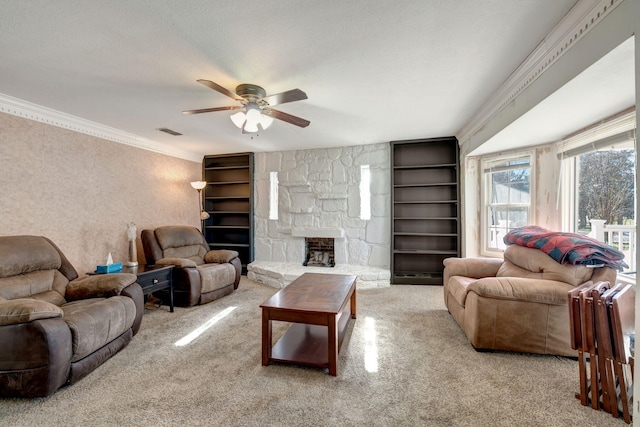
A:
(567, 248)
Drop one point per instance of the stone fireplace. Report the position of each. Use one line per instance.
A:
(319, 252)
(321, 247)
(318, 197)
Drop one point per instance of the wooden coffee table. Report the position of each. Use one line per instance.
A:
(319, 306)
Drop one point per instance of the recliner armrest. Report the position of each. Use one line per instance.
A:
(134, 291)
(22, 310)
(472, 267)
(44, 345)
(98, 286)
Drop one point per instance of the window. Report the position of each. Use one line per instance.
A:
(606, 196)
(273, 195)
(365, 192)
(598, 191)
(507, 198)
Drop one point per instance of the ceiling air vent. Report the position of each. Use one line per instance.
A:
(169, 131)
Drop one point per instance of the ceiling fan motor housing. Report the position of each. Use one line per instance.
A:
(250, 92)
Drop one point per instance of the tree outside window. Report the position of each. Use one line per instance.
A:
(606, 187)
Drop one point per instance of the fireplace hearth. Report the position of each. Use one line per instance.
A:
(320, 252)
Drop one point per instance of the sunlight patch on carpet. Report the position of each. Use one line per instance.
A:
(200, 329)
(370, 346)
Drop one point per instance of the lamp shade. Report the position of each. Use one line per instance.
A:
(199, 185)
(253, 116)
(251, 127)
(238, 119)
(265, 121)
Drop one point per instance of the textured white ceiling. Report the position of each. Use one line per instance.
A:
(373, 71)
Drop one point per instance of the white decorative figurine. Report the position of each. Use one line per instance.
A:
(133, 250)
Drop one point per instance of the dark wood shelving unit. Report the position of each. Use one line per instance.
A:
(424, 207)
(228, 198)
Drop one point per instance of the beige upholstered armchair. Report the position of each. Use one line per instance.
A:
(516, 304)
(200, 275)
(54, 327)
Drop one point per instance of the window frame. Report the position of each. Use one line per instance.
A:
(568, 190)
(485, 189)
(609, 133)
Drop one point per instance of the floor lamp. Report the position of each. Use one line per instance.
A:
(199, 185)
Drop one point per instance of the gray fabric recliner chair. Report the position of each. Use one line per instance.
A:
(54, 327)
(200, 275)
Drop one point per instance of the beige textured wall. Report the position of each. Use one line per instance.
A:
(81, 191)
(470, 206)
(548, 213)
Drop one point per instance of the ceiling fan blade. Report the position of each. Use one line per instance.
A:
(288, 96)
(218, 88)
(276, 114)
(210, 110)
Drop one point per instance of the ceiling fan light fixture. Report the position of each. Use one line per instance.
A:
(253, 118)
(251, 127)
(239, 118)
(265, 121)
(253, 113)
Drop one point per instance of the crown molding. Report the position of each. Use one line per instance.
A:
(573, 27)
(28, 110)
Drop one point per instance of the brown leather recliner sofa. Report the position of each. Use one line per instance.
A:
(516, 304)
(200, 275)
(54, 327)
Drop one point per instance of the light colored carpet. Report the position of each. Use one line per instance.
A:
(427, 375)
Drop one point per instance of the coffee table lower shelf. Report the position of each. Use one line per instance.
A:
(308, 345)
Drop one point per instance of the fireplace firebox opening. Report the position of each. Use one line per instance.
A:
(319, 252)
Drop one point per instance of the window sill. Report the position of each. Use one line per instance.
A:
(626, 279)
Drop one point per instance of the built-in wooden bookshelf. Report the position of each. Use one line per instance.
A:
(228, 198)
(425, 210)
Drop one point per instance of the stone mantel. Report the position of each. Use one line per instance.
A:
(336, 233)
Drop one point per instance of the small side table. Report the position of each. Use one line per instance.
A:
(153, 278)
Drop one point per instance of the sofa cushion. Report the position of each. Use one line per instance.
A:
(522, 289)
(181, 242)
(193, 253)
(97, 321)
(532, 263)
(24, 254)
(178, 262)
(45, 285)
(216, 276)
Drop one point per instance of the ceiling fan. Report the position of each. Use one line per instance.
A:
(256, 113)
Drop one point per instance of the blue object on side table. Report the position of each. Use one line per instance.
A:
(110, 268)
